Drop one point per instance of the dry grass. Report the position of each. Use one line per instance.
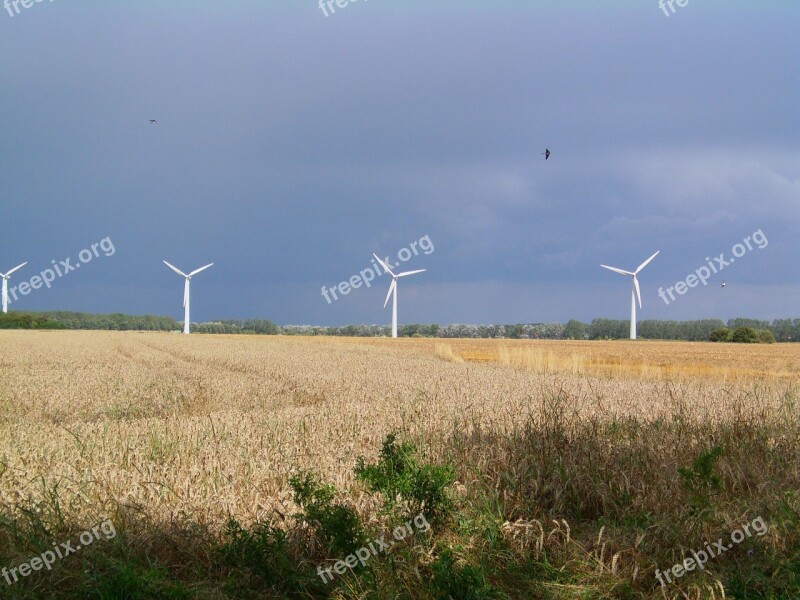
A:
(211, 425)
(208, 427)
(638, 360)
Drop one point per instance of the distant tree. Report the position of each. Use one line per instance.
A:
(601, 329)
(752, 323)
(781, 330)
(723, 334)
(514, 332)
(17, 320)
(765, 336)
(786, 330)
(744, 335)
(574, 330)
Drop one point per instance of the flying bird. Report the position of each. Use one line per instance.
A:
(546, 153)
(153, 121)
(724, 283)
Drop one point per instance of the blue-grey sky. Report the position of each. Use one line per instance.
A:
(291, 145)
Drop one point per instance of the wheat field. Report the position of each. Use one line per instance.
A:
(212, 425)
(199, 429)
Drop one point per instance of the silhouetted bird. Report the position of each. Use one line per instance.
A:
(546, 153)
(153, 121)
(724, 284)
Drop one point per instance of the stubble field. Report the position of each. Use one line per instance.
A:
(578, 467)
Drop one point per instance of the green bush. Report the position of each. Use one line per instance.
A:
(744, 335)
(261, 553)
(701, 480)
(454, 581)
(109, 578)
(398, 476)
(720, 335)
(765, 336)
(337, 525)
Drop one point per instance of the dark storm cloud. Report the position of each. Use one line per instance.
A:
(290, 146)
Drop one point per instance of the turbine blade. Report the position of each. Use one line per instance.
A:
(17, 268)
(389, 295)
(616, 270)
(638, 291)
(383, 264)
(176, 269)
(200, 270)
(407, 273)
(647, 262)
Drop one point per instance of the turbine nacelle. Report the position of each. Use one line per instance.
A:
(5, 277)
(12, 271)
(187, 280)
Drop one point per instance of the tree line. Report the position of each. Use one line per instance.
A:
(783, 330)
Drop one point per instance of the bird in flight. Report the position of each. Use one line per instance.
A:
(724, 284)
(153, 121)
(546, 153)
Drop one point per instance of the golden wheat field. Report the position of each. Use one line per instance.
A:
(210, 426)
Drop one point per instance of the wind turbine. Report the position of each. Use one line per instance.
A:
(635, 293)
(393, 289)
(188, 279)
(5, 285)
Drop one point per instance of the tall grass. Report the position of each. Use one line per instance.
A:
(551, 482)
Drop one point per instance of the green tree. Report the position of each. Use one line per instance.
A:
(765, 336)
(744, 335)
(575, 330)
(723, 334)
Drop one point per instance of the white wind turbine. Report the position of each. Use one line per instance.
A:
(188, 279)
(635, 293)
(393, 289)
(5, 285)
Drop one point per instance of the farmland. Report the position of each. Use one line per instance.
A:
(578, 467)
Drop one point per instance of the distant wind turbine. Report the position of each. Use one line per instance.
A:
(188, 279)
(393, 291)
(635, 293)
(5, 285)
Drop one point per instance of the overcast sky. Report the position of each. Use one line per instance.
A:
(291, 145)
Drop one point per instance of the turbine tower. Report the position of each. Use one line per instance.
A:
(188, 279)
(5, 285)
(635, 293)
(393, 291)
